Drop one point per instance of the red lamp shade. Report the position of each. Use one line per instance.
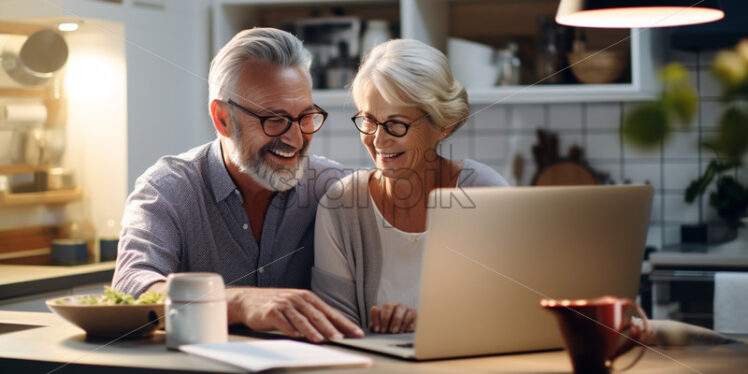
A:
(637, 13)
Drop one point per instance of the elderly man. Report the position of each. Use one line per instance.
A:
(243, 205)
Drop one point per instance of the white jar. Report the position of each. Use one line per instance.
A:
(195, 309)
(377, 31)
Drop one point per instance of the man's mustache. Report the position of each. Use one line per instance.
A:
(278, 145)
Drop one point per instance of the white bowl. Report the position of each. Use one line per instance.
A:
(113, 321)
(459, 50)
(476, 75)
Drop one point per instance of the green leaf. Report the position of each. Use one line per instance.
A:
(647, 126)
(682, 102)
(729, 68)
(730, 200)
(698, 186)
(732, 139)
(674, 74)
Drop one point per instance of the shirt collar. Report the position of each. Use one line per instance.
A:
(220, 180)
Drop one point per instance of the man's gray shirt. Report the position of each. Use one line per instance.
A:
(185, 214)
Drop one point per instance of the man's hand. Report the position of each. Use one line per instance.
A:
(295, 312)
(393, 319)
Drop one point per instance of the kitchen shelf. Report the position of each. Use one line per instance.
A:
(44, 197)
(433, 21)
(23, 92)
(561, 93)
(22, 169)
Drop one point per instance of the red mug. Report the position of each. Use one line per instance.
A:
(598, 331)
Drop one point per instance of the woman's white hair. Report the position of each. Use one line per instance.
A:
(411, 73)
(263, 44)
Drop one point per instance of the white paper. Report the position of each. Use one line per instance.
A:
(730, 303)
(25, 113)
(259, 355)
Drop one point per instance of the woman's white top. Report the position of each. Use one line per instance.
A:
(402, 254)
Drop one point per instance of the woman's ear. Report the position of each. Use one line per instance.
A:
(220, 117)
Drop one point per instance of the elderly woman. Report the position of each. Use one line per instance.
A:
(370, 227)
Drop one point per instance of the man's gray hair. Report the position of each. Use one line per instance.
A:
(263, 44)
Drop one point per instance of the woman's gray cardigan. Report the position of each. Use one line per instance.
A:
(357, 233)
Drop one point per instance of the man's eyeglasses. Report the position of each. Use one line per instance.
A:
(368, 125)
(277, 125)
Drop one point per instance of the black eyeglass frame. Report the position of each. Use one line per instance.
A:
(386, 124)
(289, 120)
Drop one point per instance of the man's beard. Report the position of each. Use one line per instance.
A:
(279, 178)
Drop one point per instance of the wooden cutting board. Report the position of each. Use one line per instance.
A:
(565, 173)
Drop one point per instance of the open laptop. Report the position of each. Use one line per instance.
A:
(492, 254)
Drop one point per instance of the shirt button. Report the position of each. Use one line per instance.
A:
(261, 269)
(245, 226)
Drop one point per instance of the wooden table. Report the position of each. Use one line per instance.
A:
(42, 342)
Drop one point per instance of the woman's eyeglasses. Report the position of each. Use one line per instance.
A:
(368, 125)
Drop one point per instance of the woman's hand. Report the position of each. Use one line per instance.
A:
(392, 319)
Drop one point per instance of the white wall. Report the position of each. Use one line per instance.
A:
(167, 45)
(96, 90)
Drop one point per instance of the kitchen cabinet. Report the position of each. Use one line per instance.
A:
(683, 280)
(167, 51)
(434, 21)
(135, 87)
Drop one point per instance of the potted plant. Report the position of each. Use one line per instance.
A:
(648, 126)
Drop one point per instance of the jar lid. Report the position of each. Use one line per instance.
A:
(184, 287)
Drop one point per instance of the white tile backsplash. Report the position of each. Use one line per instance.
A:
(568, 139)
(339, 121)
(706, 59)
(671, 235)
(345, 147)
(683, 145)
(604, 116)
(711, 112)
(632, 152)
(490, 148)
(688, 59)
(645, 173)
(708, 85)
(654, 236)
(678, 211)
(612, 169)
(457, 147)
(320, 144)
(655, 215)
(565, 116)
(603, 146)
(679, 175)
(486, 117)
(526, 116)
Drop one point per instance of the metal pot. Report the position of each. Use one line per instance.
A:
(33, 60)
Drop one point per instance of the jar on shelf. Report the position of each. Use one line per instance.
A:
(377, 32)
(510, 66)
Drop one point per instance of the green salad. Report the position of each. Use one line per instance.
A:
(112, 297)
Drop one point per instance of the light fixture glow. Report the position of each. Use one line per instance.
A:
(636, 13)
(68, 26)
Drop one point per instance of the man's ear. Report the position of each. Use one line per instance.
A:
(221, 118)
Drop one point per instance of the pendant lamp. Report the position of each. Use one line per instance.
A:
(637, 13)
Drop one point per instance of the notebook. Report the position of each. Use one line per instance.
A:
(259, 355)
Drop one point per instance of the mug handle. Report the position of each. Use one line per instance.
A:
(636, 335)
